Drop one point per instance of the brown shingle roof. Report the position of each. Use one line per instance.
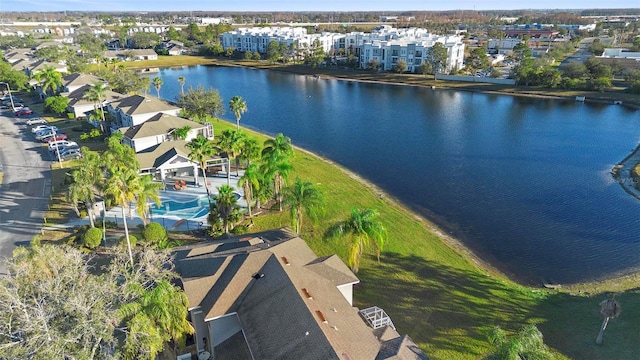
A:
(77, 79)
(78, 96)
(158, 124)
(160, 154)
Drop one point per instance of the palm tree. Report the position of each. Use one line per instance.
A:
(226, 205)
(97, 93)
(526, 344)
(85, 182)
(181, 81)
(279, 172)
(157, 83)
(250, 182)
(50, 79)
(201, 150)
(122, 186)
(230, 141)
(250, 150)
(147, 190)
(159, 314)
(303, 196)
(238, 106)
(609, 309)
(275, 156)
(361, 227)
(183, 132)
(278, 147)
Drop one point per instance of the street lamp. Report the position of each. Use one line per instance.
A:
(13, 108)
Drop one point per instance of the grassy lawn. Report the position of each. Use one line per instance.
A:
(442, 298)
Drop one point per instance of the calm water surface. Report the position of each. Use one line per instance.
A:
(523, 182)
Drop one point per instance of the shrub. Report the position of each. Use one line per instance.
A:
(154, 233)
(92, 238)
(132, 239)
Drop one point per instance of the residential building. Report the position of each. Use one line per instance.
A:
(160, 128)
(268, 296)
(79, 105)
(131, 54)
(72, 82)
(136, 109)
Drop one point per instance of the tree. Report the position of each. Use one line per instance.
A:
(596, 47)
(15, 78)
(275, 156)
(181, 81)
(230, 142)
(401, 66)
(526, 344)
(575, 70)
(145, 40)
(147, 190)
(50, 80)
(56, 104)
(373, 65)
(521, 51)
(250, 150)
(273, 52)
(437, 57)
(238, 106)
(202, 149)
(610, 309)
(85, 182)
(157, 83)
(477, 59)
(303, 196)
(250, 183)
(182, 132)
(199, 102)
(97, 93)
(362, 228)
(226, 206)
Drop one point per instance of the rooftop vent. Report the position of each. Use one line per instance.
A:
(285, 260)
(307, 293)
(258, 276)
(321, 316)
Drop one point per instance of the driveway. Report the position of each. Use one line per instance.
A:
(25, 188)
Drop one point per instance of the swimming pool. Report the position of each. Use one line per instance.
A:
(192, 209)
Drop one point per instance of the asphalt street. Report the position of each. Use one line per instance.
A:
(25, 187)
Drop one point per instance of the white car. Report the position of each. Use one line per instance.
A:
(71, 154)
(61, 144)
(36, 121)
(39, 128)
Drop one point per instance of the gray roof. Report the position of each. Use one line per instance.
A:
(158, 124)
(401, 348)
(77, 79)
(139, 104)
(279, 318)
(78, 96)
(158, 155)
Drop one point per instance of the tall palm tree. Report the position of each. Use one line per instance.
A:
(278, 147)
(97, 93)
(361, 228)
(157, 83)
(609, 309)
(50, 79)
(250, 150)
(147, 190)
(275, 156)
(226, 205)
(201, 150)
(250, 183)
(181, 81)
(238, 106)
(230, 141)
(85, 184)
(122, 186)
(303, 196)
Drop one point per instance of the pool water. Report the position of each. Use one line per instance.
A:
(193, 209)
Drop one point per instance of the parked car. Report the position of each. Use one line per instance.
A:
(23, 112)
(52, 138)
(39, 128)
(71, 154)
(36, 121)
(61, 144)
(47, 133)
(6, 98)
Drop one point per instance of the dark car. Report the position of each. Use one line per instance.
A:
(52, 138)
(24, 112)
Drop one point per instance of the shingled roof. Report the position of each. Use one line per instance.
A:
(79, 96)
(285, 297)
(138, 104)
(158, 124)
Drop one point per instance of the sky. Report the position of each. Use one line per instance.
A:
(304, 5)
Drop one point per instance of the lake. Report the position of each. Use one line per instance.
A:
(525, 183)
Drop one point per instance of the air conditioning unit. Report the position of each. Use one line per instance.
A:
(184, 357)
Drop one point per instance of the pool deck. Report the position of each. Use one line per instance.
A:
(169, 221)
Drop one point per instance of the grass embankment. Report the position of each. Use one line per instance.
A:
(442, 299)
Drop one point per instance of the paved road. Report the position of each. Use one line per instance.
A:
(25, 188)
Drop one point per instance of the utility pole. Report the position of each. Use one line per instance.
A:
(13, 107)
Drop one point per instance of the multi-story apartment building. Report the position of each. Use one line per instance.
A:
(385, 44)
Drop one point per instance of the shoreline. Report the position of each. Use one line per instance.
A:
(622, 172)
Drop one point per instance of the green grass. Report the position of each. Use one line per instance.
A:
(439, 296)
